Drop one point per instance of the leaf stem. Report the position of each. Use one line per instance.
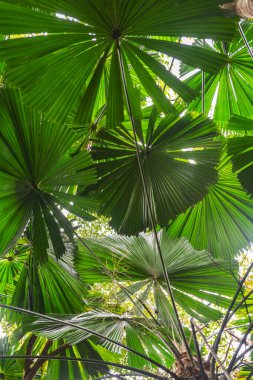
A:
(225, 373)
(245, 40)
(77, 327)
(250, 348)
(173, 347)
(200, 360)
(87, 361)
(228, 316)
(243, 340)
(123, 75)
(203, 85)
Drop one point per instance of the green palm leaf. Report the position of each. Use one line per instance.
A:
(241, 151)
(194, 276)
(10, 267)
(9, 369)
(121, 328)
(222, 221)
(239, 126)
(35, 170)
(46, 288)
(60, 370)
(178, 155)
(56, 369)
(65, 64)
(229, 91)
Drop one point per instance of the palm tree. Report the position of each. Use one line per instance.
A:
(95, 121)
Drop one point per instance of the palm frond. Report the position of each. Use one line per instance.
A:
(113, 326)
(35, 168)
(240, 149)
(222, 221)
(194, 276)
(179, 156)
(228, 91)
(63, 63)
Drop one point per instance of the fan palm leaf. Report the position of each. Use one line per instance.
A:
(26, 344)
(120, 328)
(194, 276)
(60, 370)
(178, 154)
(222, 221)
(63, 65)
(46, 288)
(241, 151)
(9, 369)
(228, 91)
(35, 168)
(10, 267)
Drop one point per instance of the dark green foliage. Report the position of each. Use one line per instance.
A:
(178, 154)
(75, 65)
(35, 172)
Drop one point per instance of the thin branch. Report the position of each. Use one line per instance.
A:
(227, 351)
(200, 361)
(126, 291)
(228, 329)
(233, 335)
(244, 353)
(152, 219)
(77, 327)
(245, 40)
(241, 303)
(244, 298)
(226, 374)
(174, 348)
(227, 317)
(87, 361)
(242, 342)
(203, 85)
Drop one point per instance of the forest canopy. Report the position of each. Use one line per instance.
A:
(126, 185)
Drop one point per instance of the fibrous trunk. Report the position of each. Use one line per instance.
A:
(242, 8)
(185, 369)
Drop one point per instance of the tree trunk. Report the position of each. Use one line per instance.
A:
(241, 8)
(186, 370)
(32, 371)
